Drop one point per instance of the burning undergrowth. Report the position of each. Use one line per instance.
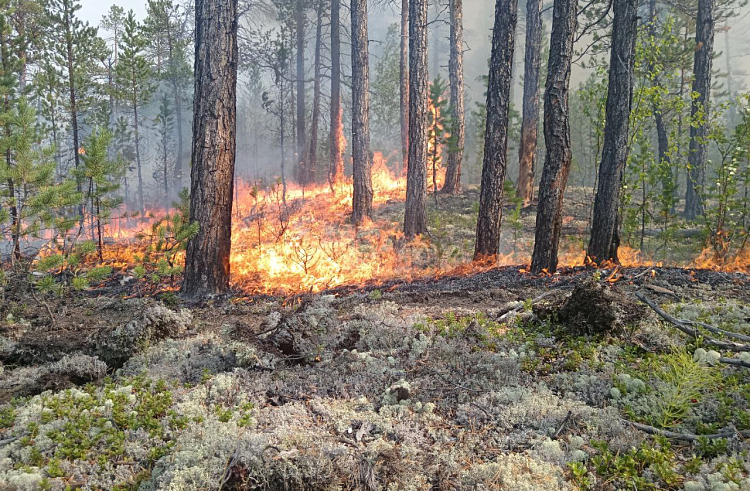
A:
(290, 240)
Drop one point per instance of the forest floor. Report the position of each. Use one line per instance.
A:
(491, 380)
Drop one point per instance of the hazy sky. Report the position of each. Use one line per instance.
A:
(476, 19)
(93, 10)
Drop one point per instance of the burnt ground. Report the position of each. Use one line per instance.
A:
(494, 380)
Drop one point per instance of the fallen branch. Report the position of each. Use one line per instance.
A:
(688, 437)
(734, 361)
(562, 425)
(520, 307)
(685, 326)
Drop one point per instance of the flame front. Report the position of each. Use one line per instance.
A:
(309, 244)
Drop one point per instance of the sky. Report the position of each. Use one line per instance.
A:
(477, 30)
(93, 10)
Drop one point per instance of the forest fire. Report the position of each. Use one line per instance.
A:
(304, 242)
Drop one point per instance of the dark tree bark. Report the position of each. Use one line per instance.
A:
(558, 155)
(702, 59)
(312, 156)
(452, 184)
(605, 237)
(362, 198)
(530, 124)
(300, 165)
(404, 84)
(415, 218)
(336, 143)
(495, 161)
(214, 146)
(70, 60)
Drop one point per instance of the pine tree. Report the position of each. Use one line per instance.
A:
(167, 21)
(50, 93)
(494, 165)
(527, 148)
(452, 183)
(134, 78)
(113, 22)
(75, 46)
(214, 143)
(362, 163)
(10, 66)
(415, 218)
(101, 177)
(122, 137)
(336, 143)
(31, 191)
(699, 112)
(164, 126)
(605, 234)
(558, 157)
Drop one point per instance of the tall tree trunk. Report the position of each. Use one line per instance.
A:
(662, 138)
(404, 84)
(336, 138)
(452, 184)
(558, 155)
(312, 161)
(415, 218)
(72, 90)
(214, 147)
(605, 236)
(165, 169)
(495, 161)
(178, 170)
(530, 124)
(730, 81)
(300, 165)
(362, 198)
(136, 137)
(704, 50)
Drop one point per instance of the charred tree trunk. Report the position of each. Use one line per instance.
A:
(704, 50)
(530, 124)
(312, 160)
(415, 218)
(362, 198)
(558, 155)
(214, 146)
(300, 166)
(495, 161)
(404, 84)
(605, 237)
(336, 144)
(452, 184)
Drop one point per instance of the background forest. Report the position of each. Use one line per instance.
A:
(97, 121)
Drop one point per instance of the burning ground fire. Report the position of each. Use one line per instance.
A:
(307, 244)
